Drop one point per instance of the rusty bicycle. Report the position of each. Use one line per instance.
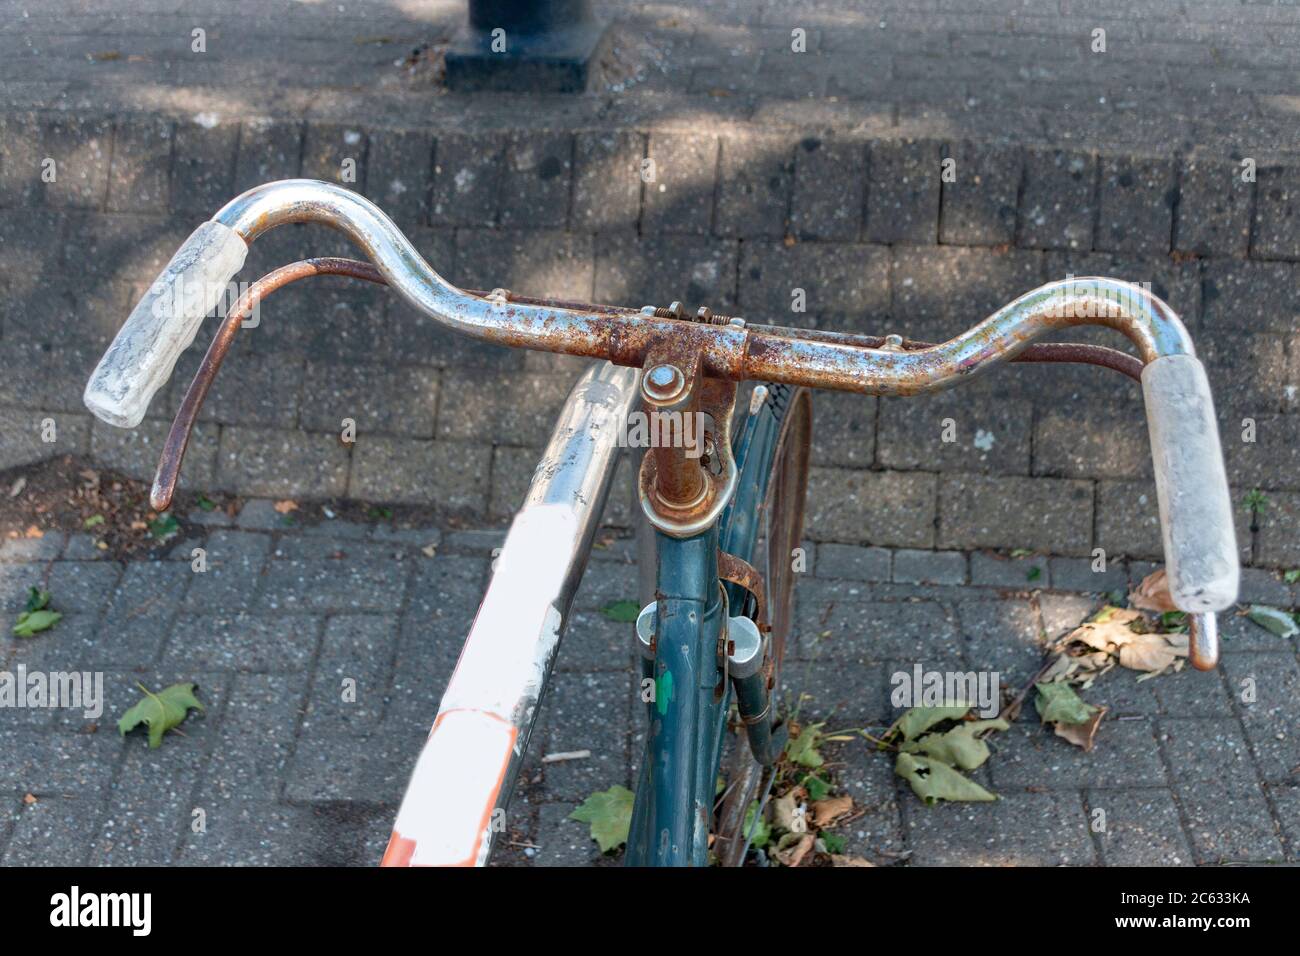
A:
(725, 511)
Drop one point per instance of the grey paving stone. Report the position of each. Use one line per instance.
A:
(565, 842)
(834, 278)
(1021, 573)
(333, 585)
(377, 398)
(32, 550)
(1269, 718)
(1065, 612)
(1054, 515)
(1247, 376)
(680, 199)
(979, 204)
(399, 173)
(1277, 214)
(1124, 755)
(1279, 535)
(1251, 296)
(335, 153)
(37, 761)
(860, 627)
(252, 748)
(373, 768)
(1136, 205)
(1086, 574)
(868, 778)
(846, 561)
(352, 674)
(268, 150)
(1213, 217)
(263, 461)
(1021, 829)
(234, 561)
(756, 174)
(844, 691)
(607, 181)
(83, 547)
(1205, 749)
(989, 434)
(226, 641)
(912, 566)
(73, 586)
(81, 147)
(584, 712)
(140, 175)
(404, 470)
(135, 452)
(28, 445)
(541, 263)
(1229, 820)
(903, 196)
(870, 507)
(593, 643)
(1192, 693)
(940, 292)
(1001, 636)
(466, 179)
(1142, 828)
(1286, 800)
(845, 429)
(1261, 586)
(830, 178)
(259, 514)
(1075, 439)
(658, 270)
(52, 832)
(203, 166)
(1058, 201)
(1238, 633)
(536, 180)
(20, 160)
(243, 832)
(252, 390)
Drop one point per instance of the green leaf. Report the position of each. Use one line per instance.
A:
(94, 521)
(963, 746)
(918, 720)
(802, 750)
(1021, 552)
(1292, 576)
(161, 711)
(164, 526)
(833, 841)
(33, 622)
(1057, 703)
(36, 600)
(1273, 620)
(818, 789)
(932, 781)
(206, 504)
(609, 813)
(762, 830)
(1034, 573)
(624, 611)
(1173, 621)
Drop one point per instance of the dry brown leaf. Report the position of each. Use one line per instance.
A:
(1153, 593)
(1153, 652)
(827, 811)
(29, 798)
(841, 860)
(795, 854)
(285, 506)
(34, 532)
(1082, 735)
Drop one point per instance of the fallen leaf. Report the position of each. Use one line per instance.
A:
(933, 780)
(827, 811)
(17, 488)
(1058, 703)
(962, 746)
(788, 815)
(840, 860)
(1273, 620)
(161, 711)
(29, 798)
(918, 720)
(1153, 593)
(802, 749)
(429, 550)
(34, 532)
(624, 611)
(1082, 734)
(1152, 652)
(285, 506)
(36, 615)
(795, 855)
(609, 814)
(762, 831)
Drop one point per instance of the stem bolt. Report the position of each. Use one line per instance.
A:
(664, 382)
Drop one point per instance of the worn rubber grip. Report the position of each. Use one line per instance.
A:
(1191, 485)
(163, 324)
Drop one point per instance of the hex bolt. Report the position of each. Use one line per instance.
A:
(664, 382)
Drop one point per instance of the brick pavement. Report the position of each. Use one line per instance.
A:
(285, 772)
(774, 172)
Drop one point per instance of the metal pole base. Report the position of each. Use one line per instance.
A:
(556, 59)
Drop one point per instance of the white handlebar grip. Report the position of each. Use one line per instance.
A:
(1191, 485)
(163, 324)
